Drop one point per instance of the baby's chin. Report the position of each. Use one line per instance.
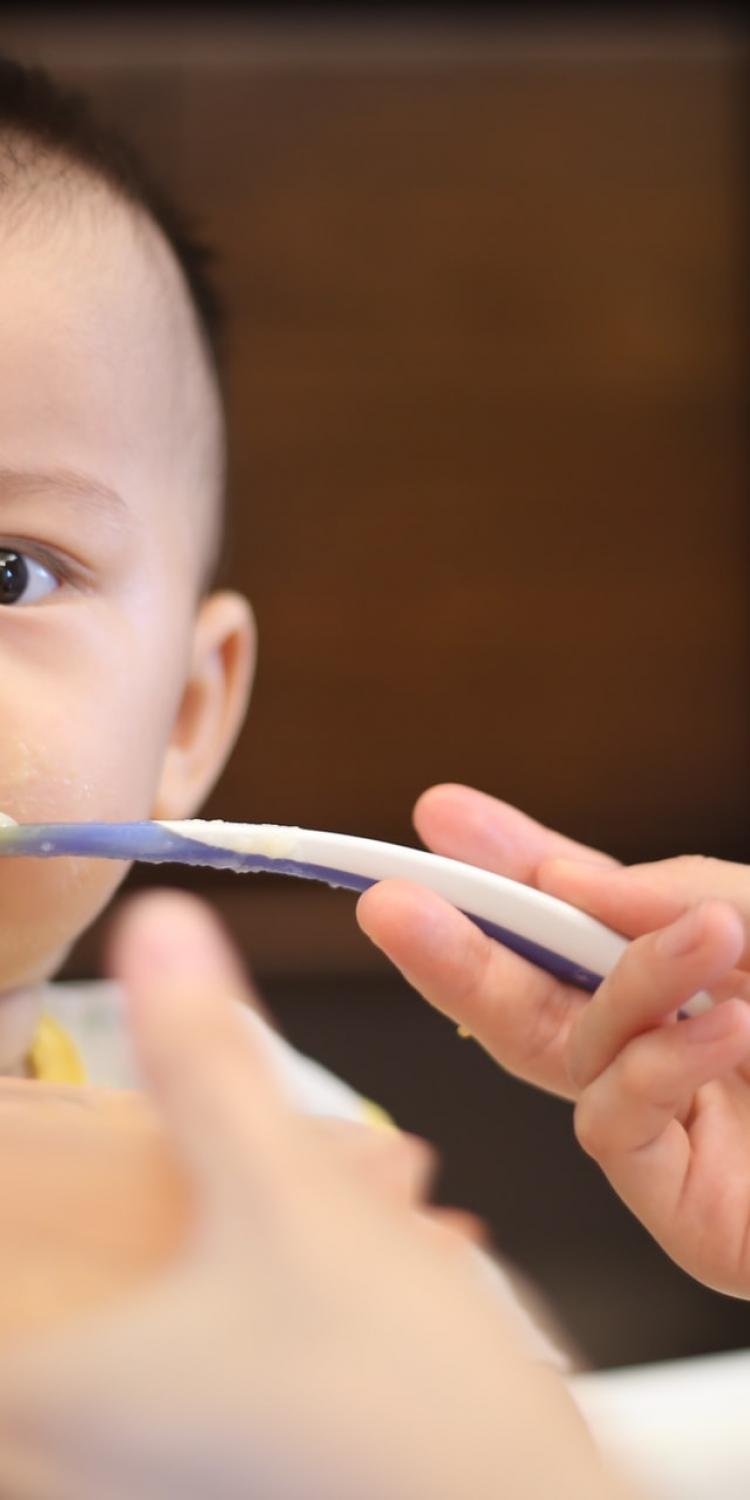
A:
(45, 906)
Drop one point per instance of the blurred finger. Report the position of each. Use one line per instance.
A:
(400, 1165)
(469, 825)
(465, 1225)
(154, 945)
(210, 1072)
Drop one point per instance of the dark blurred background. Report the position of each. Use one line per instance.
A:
(489, 498)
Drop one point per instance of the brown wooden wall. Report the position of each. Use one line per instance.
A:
(488, 491)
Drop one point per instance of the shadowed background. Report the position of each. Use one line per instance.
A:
(488, 496)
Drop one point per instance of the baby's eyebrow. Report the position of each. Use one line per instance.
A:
(81, 490)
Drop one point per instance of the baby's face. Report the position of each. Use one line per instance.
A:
(103, 518)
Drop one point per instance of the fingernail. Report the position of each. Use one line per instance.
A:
(681, 936)
(177, 940)
(166, 950)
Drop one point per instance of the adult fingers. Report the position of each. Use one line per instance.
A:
(481, 830)
(636, 1120)
(153, 943)
(396, 1163)
(401, 1166)
(463, 1224)
(655, 976)
(642, 897)
(654, 1079)
(522, 1015)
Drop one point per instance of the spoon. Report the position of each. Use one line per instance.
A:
(548, 932)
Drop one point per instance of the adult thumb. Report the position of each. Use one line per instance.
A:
(203, 1052)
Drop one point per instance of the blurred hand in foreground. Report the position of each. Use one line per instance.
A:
(314, 1336)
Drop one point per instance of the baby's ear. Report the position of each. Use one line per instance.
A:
(213, 704)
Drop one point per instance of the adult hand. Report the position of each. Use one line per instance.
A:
(664, 1108)
(313, 1336)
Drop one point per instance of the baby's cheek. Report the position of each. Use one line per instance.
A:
(44, 907)
(45, 904)
(98, 767)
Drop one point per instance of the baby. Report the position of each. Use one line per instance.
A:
(128, 683)
(126, 678)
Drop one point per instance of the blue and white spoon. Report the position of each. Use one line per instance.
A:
(549, 933)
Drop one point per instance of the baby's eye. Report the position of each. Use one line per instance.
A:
(23, 580)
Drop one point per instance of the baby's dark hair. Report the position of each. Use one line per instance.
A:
(41, 113)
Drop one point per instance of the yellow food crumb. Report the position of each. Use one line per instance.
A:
(53, 1056)
(374, 1115)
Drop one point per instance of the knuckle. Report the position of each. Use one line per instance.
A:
(575, 1064)
(638, 1073)
(414, 1166)
(702, 866)
(421, 1155)
(551, 1018)
(472, 978)
(635, 972)
(346, 1136)
(404, 1163)
(587, 1125)
(446, 1236)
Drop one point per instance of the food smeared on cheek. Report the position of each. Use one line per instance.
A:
(18, 767)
